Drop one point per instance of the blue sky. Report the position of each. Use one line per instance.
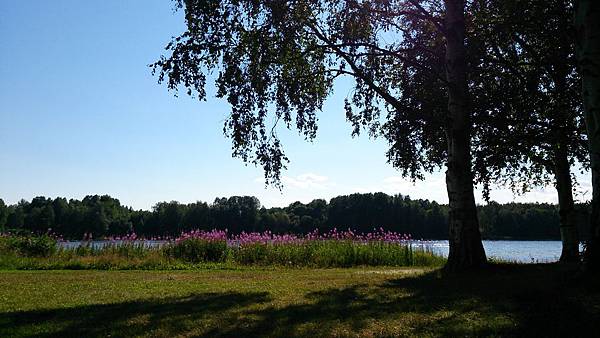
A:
(80, 113)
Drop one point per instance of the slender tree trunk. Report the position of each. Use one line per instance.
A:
(564, 187)
(466, 249)
(562, 171)
(587, 26)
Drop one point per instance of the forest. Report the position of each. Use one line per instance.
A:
(104, 216)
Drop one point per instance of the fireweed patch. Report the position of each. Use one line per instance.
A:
(198, 249)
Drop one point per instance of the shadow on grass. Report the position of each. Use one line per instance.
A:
(504, 301)
(508, 300)
(166, 316)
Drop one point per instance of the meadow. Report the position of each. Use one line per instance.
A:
(505, 300)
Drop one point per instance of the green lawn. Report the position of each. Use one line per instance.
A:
(539, 300)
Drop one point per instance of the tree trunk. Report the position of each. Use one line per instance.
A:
(564, 187)
(466, 249)
(587, 26)
(562, 169)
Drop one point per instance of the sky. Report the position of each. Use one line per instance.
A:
(81, 114)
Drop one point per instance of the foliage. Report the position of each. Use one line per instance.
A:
(277, 61)
(331, 253)
(195, 250)
(586, 21)
(361, 212)
(527, 93)
(333, 249)
(28, 245)
(3, 215)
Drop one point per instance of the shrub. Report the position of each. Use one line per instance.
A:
(196, 250)
(31, 246)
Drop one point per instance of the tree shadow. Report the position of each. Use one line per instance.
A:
(504, 301)
(512, 300)
(163, 316)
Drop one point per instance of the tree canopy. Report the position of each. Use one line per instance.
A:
(105, 216)
(276, 61)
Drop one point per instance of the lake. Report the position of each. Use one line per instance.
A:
(513, 251)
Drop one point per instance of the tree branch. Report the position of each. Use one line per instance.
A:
(428, 16)
(357, 71)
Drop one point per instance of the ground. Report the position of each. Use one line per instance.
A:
(538, 300)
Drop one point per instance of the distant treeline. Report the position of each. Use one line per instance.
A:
(105, 216)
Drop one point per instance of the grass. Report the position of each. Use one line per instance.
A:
(42, 253)
(506, 300)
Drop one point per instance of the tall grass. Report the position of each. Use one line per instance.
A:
(334, 253)
(196, 250)
(208, 249)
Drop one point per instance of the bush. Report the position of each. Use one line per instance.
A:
(31, 246)
(196, 250)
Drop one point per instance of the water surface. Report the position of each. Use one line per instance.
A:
(512, 251)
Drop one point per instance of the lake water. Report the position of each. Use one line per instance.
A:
(513, 251)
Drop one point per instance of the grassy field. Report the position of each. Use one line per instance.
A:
(539, 300)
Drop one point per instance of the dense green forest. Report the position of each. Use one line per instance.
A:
(105, 216)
